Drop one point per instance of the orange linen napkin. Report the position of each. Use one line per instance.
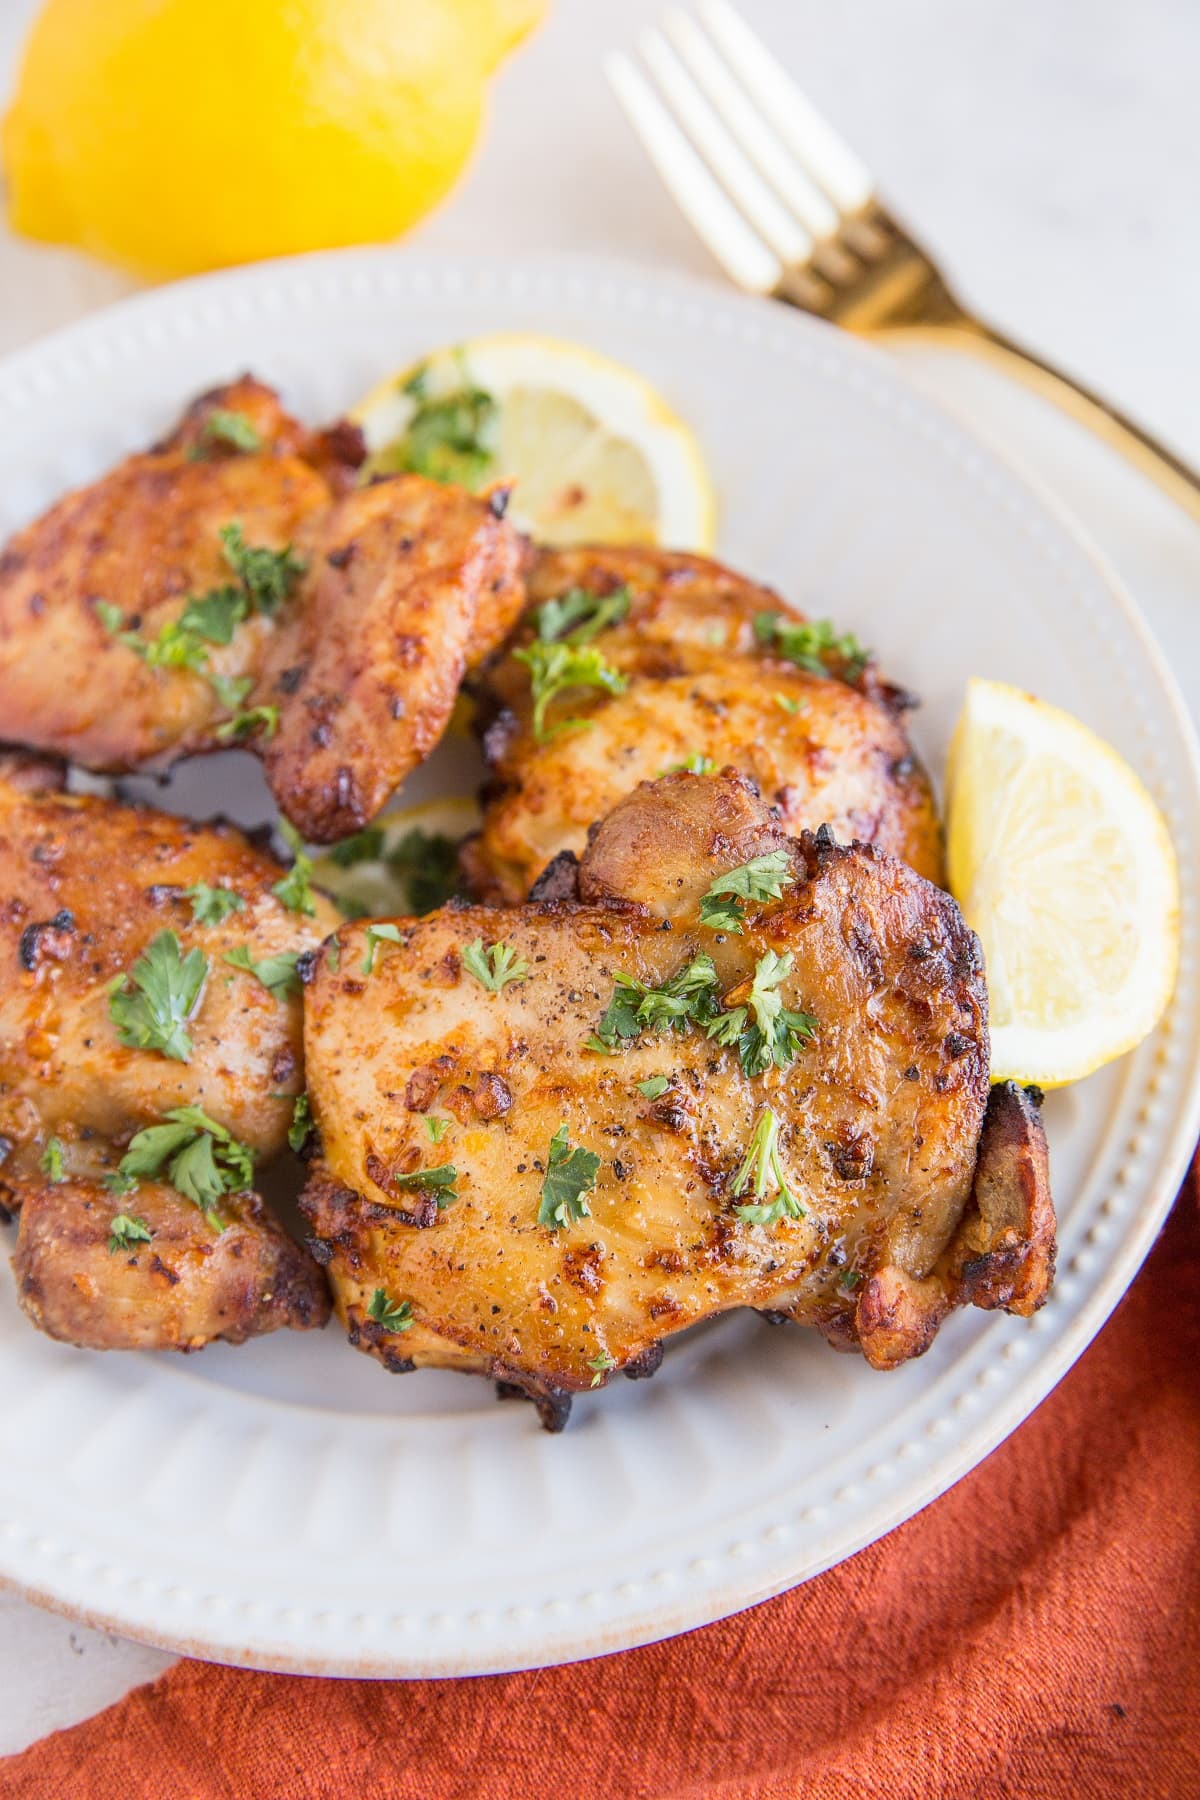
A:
(1034, 1634)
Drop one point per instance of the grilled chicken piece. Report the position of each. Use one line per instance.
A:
(86, 886)
(822, 750)
(404, 583)
(880, 1114)
(186, 1288)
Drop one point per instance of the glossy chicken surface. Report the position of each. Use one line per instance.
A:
(343, 683)
(417, 1065)
(699, 685)
(85, 886)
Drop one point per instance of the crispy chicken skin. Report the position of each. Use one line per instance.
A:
(186, 1288)
(822, 751)
(86, 885)
(881, 1113)
(405, 583)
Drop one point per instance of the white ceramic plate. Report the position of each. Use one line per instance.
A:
(289, 1505)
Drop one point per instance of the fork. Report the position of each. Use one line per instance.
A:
(790, 211)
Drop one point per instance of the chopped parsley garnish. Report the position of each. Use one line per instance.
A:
(110, 616)
(210, 905)
(849, 1279)
(765, 1031)
(437, 1128)
(393, 1315)
(427, 863)
(125, 1230)
(762, 1171)
(300, 1129)
(763, 878)
(260, 720)
(51, 1161)
(695, 764)
(790, 704)
(268, 576)
(215, 616)
(558, 668)
(602, 1363)
(233, 429)
(294, 890)
(812, 644)
(577, 617)
(197, 1156)
(653, 1086)
(277, 974)
(439, 1182)
(571, 1173)
(449, 436)
(173, 648)
(687, 998)
(376, 935)
(363, 846)
(166, 992)
(495, 966)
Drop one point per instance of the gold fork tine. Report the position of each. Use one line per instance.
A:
(744, 119)
(811, 138)
(700, 197)
(774, 223)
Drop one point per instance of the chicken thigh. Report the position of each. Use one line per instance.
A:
(233, 585)
(680, 663)
(733, 1069)
(150, 1056)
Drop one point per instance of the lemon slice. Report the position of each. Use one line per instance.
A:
(595, 454)
(1062, 863)
(404, 863)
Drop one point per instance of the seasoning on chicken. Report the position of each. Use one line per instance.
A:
(233, 586)
(721, 1068)
(150, 1058)
(631, 663)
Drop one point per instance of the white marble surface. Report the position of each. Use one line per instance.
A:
(1046, 150)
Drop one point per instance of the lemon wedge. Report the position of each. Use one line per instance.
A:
(596, 456)
(1061, 862)
(404, 863)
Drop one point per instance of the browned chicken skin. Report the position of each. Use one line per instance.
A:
(882, 1134)
(823, 751)
(86, 885)
(403, 584)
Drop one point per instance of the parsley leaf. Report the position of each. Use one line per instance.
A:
(763, 1169)
(762, 878)
(557, 668)
(376, 935)
(263, 720)
(449, 436)
(294, 890)
(276, 973)
(51, 1161)
(495, 966)
(224, 426)
(439, 1182)
(210, 905)
(301, 1126)
(570, 1176)
(848, 1280)
(200, 1158)
(166, 992)
(777, 1033)
(392, 1315)
(215, 616)
(577, 617)
(110, 616)
(790, 704)
(230, 690)
(653, 1086)
(363, 846)
(687, 998)
(695, 764)
(437, 1128)
(812, 644)
(602, 1363)
(125, 1230)
(268, 576)
(427, 862)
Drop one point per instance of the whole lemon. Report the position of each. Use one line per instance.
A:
(176, 135)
